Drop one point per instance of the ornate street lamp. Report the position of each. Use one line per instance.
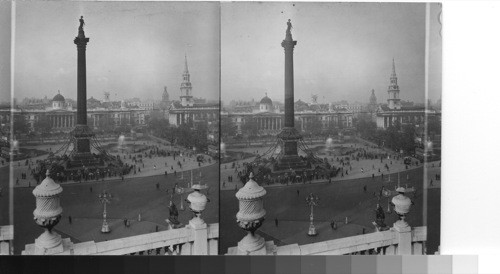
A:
(312, 201)
(387, 193)
(48, 212)
(105, 198)
(251, 215)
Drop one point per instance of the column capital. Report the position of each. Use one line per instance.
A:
(288, 44)
(81, 41)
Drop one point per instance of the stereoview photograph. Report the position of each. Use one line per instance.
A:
(115, 136)
(330, 128)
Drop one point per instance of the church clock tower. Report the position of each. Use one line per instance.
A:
(186, 96)
(393, 102)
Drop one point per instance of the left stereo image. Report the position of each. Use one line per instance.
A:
(110, 130)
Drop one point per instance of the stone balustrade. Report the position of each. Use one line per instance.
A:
(389, 242)
(181, 241)
(6, 238)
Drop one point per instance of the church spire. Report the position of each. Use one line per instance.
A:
(186, 97)
(393, 90)
(185, 64)
(393, 68)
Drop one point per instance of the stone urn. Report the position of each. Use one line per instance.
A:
(251, 215)
(48, 212)
(197, 203)
(402, 206)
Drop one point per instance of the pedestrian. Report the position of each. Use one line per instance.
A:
(90, 189)
(157, 186)
(70, 219)
(364, 189)
(125, 222)
(156, 228)
(298, 193)
(431, 183)
(276, 221)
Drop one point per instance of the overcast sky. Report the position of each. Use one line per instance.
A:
(135, 49)
(343, 51)
(5, 32)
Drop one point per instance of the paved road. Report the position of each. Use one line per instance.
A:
(338, 200)
(4, 196)
(131, 197)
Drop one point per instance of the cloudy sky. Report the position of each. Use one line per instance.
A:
(135, 49)
(343, 51)
(5, 33)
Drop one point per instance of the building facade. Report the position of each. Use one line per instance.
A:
(188, 110)
(61, 116)
(269, 117)
(394, 113)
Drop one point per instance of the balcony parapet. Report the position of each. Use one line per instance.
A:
(169, 242)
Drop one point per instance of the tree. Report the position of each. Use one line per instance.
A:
(433, 125)
(105, 123)
(366, 127)
(250, 128)
(158, 126)
(407, 139)
(315, 127)
(20, 124)
(227, 127)
(43, 124)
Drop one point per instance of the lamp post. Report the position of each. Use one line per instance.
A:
(387, 193)
(312, 201)
(180, 191)
(105, 198)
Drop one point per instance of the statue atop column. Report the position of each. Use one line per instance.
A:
(80, 28)
(289, 29)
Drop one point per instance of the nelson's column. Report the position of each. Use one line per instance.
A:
(82, 133)
(289, 136)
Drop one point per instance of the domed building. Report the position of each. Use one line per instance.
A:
(58, 102)
(266, 104)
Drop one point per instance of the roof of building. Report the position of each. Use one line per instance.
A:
(58, 98)
(266, 100)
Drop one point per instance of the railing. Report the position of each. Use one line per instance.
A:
(181, 241)
(6, 238)
(382, 243)
(377, 243)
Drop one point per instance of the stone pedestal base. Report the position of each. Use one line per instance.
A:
(197, 223)
(252, 244)
(105, 227)
(63, 248)
(312, 230)
(48, 240)
(200, 245)
(268, 249)
(403, 231)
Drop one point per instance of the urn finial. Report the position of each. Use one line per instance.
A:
(251, 215)
(47, 214)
